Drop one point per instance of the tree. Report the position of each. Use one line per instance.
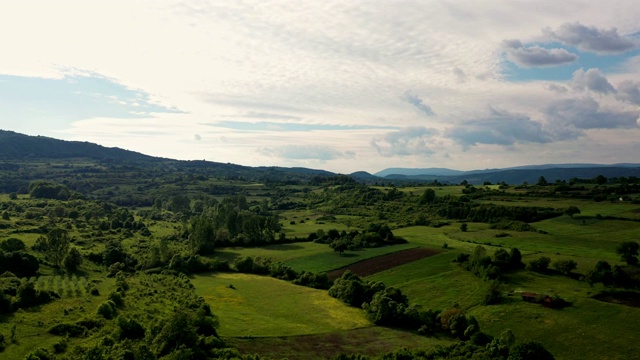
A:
(540, 265)
(572, 210)
(628, 252)
(464, 227)
(428, 196)
(339, 245)
(58, 243)
(529, 350)
(565, 266)
(542, 181)
(73, 260)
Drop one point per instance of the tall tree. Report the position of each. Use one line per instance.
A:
(58, 243)
(628, 252)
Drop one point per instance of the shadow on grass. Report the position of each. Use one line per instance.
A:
(283, 247)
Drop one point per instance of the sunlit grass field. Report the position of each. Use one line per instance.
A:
(264, 306)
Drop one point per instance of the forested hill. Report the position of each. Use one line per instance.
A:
(15, 146)
(93, 169)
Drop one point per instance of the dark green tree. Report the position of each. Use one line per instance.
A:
(428, 196)
(542, 181)
(572, 210)
(565, 266)
(73, 260)
(58, 243)
(339, 245)
(529, 350)
(628, 252)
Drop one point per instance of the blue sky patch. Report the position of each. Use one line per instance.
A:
(610, 63)
(45, 104)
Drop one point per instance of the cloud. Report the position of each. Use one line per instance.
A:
(593, 80)
(306, 152)
(499, 128)
(569, 117)
(590, 38)
(414, 140)
(536, 56)
(557, 88)
(284, 126)
(418, 103)
(259, 115)
(459, 74)
(629, 91)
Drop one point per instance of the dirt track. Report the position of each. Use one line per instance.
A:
(384, 262)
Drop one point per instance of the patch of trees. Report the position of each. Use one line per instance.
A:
(375, 235)
(21, 294)
(626, 277)
(491, 267)
(387, 306)
(15, 260)
(265, 266)
(231, 223)
(43, 189)
(489, 213)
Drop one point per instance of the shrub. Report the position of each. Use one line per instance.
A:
(107, 309)
(539, 265)
(130, 328)
(12, 244)
(73, 330)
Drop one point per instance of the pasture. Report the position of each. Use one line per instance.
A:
(260, 306)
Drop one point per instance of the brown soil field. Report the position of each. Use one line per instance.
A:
(384, 262)
(628, 298)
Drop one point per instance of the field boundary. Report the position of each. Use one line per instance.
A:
(384, 262)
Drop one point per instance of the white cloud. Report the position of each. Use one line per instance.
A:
(337, 69)
(592, 79)
(536, 56)
(591, 38)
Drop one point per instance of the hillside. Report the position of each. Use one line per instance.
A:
(518, 175)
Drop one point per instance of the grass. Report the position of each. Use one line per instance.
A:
(308, 256)
(371, 341)
(262, 306)
(327, 259)
(32, 324)
(435, 282)
(589, 329)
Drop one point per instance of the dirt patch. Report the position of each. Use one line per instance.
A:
(628, 298)
(384, 262)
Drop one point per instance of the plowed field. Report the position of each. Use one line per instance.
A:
(385, 262)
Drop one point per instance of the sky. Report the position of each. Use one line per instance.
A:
(343, 86)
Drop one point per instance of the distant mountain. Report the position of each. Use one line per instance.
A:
(529, 175)
(364, 176)
(415, 172)
(19, 147)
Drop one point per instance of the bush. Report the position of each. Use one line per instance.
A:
(72, 330)
(107, 309)
(540, 265)
(12, 244)
(130, 328)
(565, 266)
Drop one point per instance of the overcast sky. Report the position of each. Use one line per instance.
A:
(336, 85)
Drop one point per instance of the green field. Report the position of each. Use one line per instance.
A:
(260, 306)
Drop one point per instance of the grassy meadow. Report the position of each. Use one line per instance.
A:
(260, 306)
